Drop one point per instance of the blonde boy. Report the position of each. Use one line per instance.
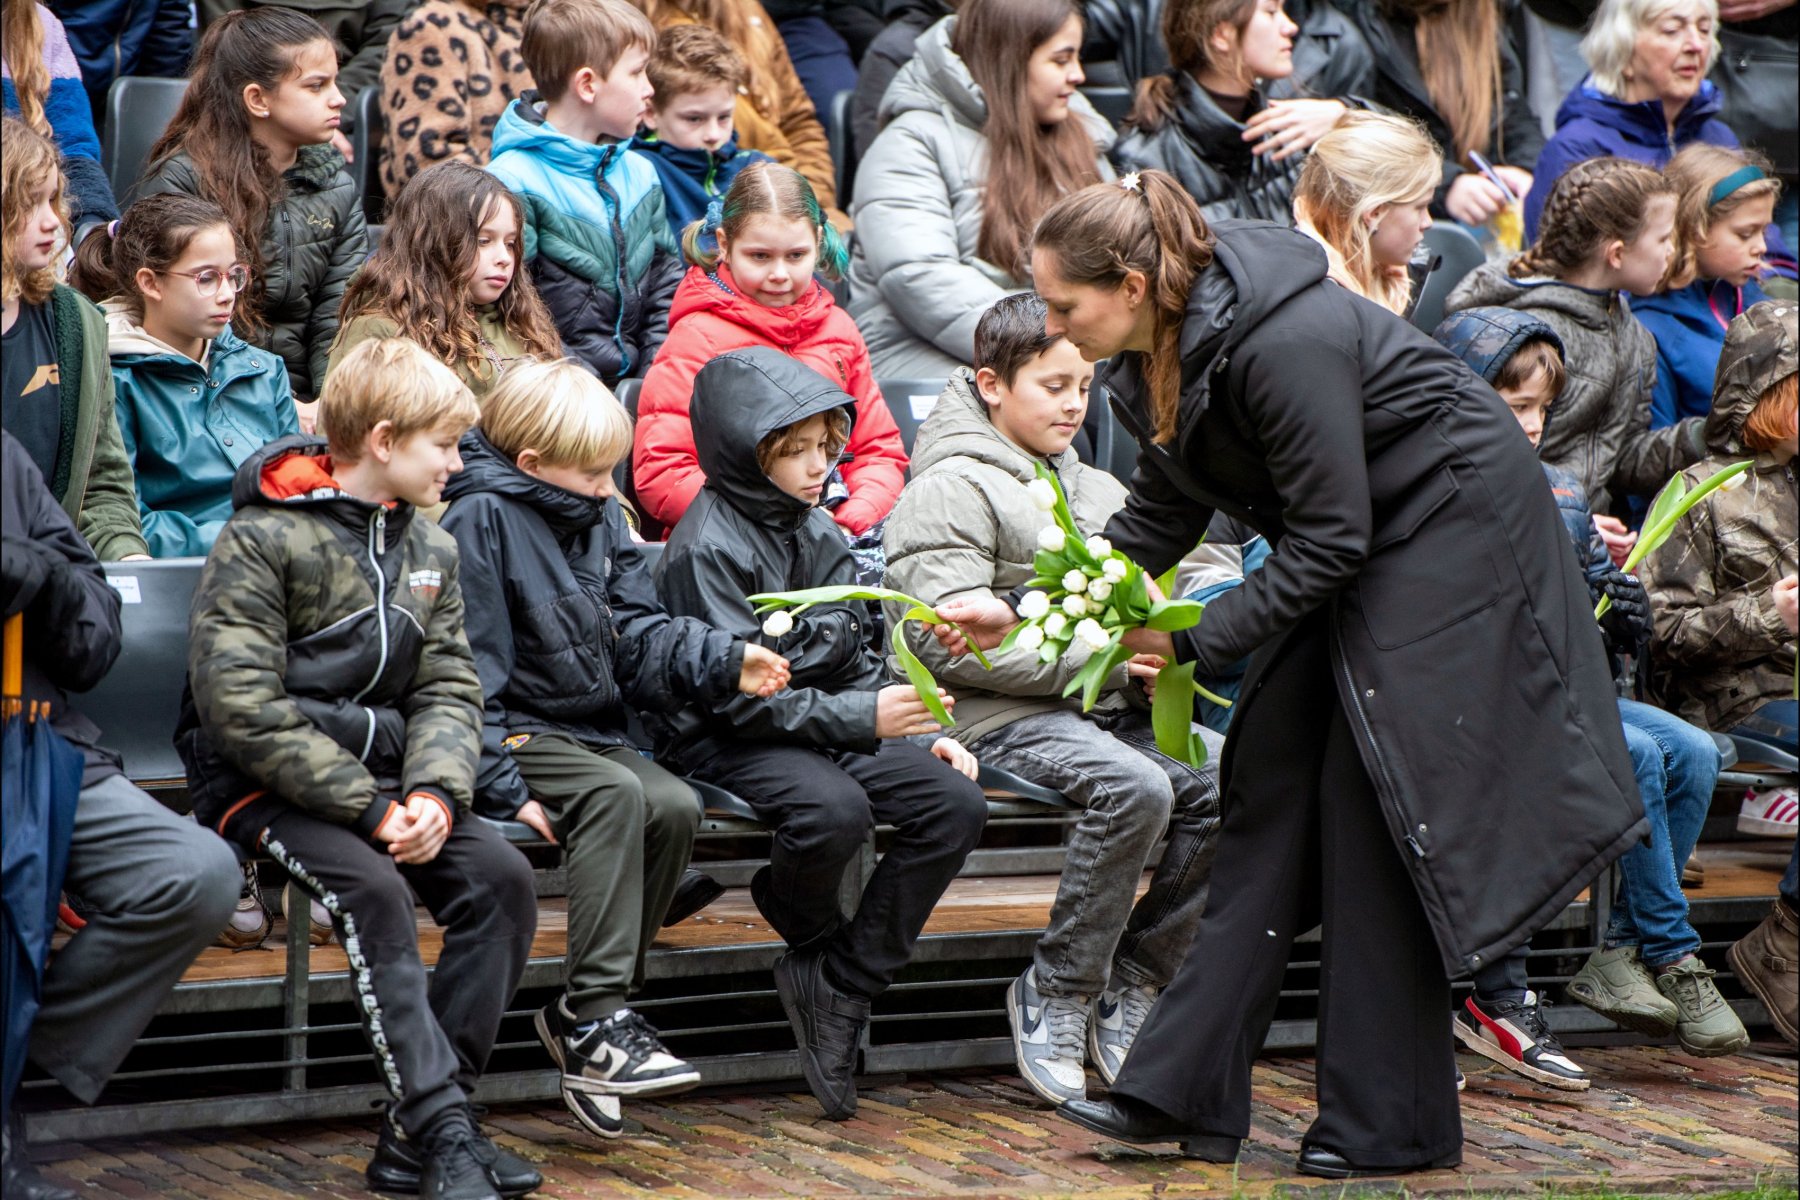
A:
(569, 637)
(332, 723)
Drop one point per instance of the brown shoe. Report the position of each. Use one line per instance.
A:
(1693, 872)
(1767, 961)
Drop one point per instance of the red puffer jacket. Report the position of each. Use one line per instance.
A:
(707, 319)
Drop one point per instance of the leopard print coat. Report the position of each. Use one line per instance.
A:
(452, 68)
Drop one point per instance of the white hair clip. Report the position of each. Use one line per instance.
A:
(1132, 182)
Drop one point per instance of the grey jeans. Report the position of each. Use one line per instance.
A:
(1109, 764)
(155, 888)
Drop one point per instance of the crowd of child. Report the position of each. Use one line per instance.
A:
(421, 505)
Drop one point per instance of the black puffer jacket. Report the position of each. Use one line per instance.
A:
(743, 535)
(564, 620)
(1204, 149)
(315, 241)
(1516, 138)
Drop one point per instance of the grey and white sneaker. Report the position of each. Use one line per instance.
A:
(1049, 1036)
(1118, 1015)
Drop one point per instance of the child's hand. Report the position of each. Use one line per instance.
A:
(308, 412)
(1473, 199)
(900, 713)
(1619, 540)
(954, 753)
(420, 841)
(1786, 593)
(532, 813)
(765, 672)
(1143, 668)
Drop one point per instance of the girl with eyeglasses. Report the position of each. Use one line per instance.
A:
(194, 399)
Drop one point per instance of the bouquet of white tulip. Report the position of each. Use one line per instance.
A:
(1085, 598)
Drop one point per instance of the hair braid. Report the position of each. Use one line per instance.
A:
(1595, 202)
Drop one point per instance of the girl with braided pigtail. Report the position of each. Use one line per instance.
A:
(1607, 230)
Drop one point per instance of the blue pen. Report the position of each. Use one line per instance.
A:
(1493, 176)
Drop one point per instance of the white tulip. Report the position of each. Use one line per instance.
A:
(1735, 482)
(1075, 580)
(1055, 624)
(1052, 538)
(1099, 591)
(1033, 605)
(1042, 494)
(1098, 546)
(1114, 569)
(1075, 606)
(778, 622)
(1090, 636)
(1030, 638)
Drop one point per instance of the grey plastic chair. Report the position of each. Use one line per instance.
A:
(138, 109)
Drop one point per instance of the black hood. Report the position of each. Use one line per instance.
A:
(485, 469)
(1257, 267)
(740, 398)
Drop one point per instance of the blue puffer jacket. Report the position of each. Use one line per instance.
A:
(188, 428)
(692, 179)
(1689, 327)
(597, 238)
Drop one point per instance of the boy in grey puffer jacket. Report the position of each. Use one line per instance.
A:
(966, 525)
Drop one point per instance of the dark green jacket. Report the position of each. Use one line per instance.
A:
(315, 241)
(91, 477)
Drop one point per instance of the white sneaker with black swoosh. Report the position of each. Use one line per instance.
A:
(1049, 1039)
(1118, 1015)
(622, 1056)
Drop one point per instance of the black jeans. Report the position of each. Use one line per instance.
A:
(1304, 840)
(431, 1041)
(821, 805)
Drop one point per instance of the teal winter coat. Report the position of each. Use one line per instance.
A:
(188, 427)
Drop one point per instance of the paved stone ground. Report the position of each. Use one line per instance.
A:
(1657, 1122)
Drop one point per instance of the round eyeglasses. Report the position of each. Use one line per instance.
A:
(207, 279)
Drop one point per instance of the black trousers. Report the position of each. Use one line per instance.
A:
(431, 1040)
(821, 805)
(1304, 841)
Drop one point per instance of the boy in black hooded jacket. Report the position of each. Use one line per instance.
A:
(568, 637)
(824, 761)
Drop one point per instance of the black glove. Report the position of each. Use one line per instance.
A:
(1627, 621)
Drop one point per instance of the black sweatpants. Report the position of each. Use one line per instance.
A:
(1304, 841)
(821, 805)
(431, 1041)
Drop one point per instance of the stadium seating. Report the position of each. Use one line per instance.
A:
(1457, 253)
(138, 109)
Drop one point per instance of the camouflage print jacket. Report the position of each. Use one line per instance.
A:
(327, 666)
(1720, 650)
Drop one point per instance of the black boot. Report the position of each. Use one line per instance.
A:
(695, 891)
(1127, 1120)
(458, 1161)
(19, 1180)
(396, 1166)
(828, 1028)
(1329, 1164)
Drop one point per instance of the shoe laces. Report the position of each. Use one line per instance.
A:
(1135, 1002)
(1537, 1024)
(252, 886)
(630, 1031)
(1695, 990)
(465, 1154)
(1067, 1018)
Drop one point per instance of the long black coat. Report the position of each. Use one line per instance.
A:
(1397, 491)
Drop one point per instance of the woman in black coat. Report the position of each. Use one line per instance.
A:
(1426, 753)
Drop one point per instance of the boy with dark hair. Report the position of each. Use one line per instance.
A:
(692, 143)
(332, 722)
(967, 525)
(596, 236)
(1646, 975)
(824, 761)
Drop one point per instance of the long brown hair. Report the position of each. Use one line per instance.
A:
(1459, 56)
(23, 36)
(1029, 166)
(259, 46)
(27, 159)
(1103, 232)
(1596, 201)
(153, 234)
(1186, 24)
(419, 278)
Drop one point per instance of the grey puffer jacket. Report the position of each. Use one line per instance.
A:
(1601, 429)
(917, 286)
(315, 241)
(966, 526)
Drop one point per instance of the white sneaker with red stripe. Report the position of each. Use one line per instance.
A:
(1774, 813)
(1515, 1036)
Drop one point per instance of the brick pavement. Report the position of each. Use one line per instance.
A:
(1657, 1122)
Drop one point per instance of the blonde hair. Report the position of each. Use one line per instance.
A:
(23, 34)
(1612, 38)
(27, 159)
(563, 36)
(558, 409)
(1368, 161)
(394, 380)
(1695, 172)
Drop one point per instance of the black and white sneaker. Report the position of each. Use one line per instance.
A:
(619, 1056)
(1516, 1037)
